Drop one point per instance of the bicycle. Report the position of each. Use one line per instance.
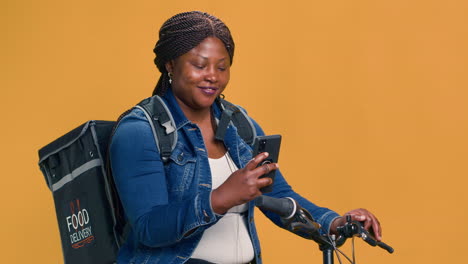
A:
(300, 221)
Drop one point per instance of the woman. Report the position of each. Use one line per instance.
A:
(197, 207)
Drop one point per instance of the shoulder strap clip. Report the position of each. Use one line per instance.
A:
(162, 124)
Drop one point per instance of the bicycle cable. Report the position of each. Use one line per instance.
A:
(331, 242)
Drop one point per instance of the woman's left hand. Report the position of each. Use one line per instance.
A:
(370, 222)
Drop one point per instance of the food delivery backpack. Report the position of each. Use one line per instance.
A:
(76, 168)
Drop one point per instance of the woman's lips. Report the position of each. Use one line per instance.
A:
(209, 90)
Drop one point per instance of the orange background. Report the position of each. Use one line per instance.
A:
(370, 97)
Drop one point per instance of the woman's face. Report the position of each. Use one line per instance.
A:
(200, 75)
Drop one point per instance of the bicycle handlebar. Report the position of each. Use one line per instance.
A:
(300, 221)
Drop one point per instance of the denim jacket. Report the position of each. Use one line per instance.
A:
(168, 204)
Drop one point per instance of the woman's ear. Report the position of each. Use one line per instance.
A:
(170, 66)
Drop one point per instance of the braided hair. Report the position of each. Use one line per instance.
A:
(183, 32)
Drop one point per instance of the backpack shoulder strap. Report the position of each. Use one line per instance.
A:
(162, 124)
(244, 125)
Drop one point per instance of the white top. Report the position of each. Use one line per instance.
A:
(228, 240)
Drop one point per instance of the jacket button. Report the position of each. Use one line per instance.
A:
(180, 157)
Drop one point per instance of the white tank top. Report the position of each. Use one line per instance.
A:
(228, 240)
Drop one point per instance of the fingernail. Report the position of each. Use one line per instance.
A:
(266, 154)
(277, 165)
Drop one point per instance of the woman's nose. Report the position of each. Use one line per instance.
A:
(211, 75)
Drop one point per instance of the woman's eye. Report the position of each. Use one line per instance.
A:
(199, 66)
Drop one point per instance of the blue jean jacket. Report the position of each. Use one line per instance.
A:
(169, 204)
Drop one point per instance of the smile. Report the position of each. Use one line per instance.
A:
(209, 90)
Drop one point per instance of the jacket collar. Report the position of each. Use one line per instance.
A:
(177, 114)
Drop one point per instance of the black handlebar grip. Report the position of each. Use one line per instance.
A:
(284, 207)
(385, 246)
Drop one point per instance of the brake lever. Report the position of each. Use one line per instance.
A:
(354, 228)
(303, 224)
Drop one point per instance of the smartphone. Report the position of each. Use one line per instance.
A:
(270, 144)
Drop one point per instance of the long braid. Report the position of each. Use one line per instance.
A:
(183, 32)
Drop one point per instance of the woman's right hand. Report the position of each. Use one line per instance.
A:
(243, 185)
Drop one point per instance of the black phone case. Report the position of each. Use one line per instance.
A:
(270, 144)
